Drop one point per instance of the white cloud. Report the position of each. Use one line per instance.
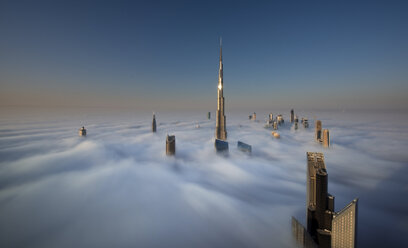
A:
(116, 187)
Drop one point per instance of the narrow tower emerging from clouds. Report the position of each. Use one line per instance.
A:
(318, 131)
(220, 129)
(154, 123)
(292, 115)
(326, 138)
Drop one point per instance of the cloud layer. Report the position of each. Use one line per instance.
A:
(117, 188)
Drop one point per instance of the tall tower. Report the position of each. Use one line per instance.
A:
(326, 138)
(154, 123)
(292, 115)
(318, 131)
(220, 130)
(325, 227)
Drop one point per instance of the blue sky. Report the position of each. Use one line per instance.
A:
(164, 55)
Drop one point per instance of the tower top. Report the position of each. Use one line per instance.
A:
(220, 49)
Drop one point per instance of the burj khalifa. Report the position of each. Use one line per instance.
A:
(220, 130)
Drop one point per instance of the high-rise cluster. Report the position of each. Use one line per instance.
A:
(325, 227)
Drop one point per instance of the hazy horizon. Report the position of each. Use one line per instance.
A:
(164, 55)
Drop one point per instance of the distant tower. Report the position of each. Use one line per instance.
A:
(296, 120)
(209, 115)
(292, 116)
(318, 131)
(154, 123)
(270, 117)
(275, 125)
(82, 131)
(305, 123)
(279, 119)
(220, 127)
(326, 138)
(170, 145)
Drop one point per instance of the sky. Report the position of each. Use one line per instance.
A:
(163, 55)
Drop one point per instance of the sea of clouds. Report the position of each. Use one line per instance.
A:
(117, 188)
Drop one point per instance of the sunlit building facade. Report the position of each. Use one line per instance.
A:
(344, 226)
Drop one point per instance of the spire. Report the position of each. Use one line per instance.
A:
(220, 76)
(220, 49)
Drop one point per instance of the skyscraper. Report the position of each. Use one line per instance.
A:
(170, 144)
(315, 161)
(220, 129)
(82, 131)
(305, 123)
(318, 131)
(292, 116)
(254, 116)
(270, 117)
(154, 123)
(325, 226)
(326, 138)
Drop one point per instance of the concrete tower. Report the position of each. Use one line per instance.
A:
(220, 130)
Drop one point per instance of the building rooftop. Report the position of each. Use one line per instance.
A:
(351, 204)
(315, 162)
